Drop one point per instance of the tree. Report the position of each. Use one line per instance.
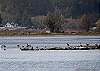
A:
(98, 26)
(85, 23)
(21, 11)
(0, 20)
(54, 21)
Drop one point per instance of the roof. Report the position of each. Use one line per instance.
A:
(72, 21)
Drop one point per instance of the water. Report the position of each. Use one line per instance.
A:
(49, 41)
(76, 60)
(13, 59)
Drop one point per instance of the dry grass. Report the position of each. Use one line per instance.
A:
(21, 33)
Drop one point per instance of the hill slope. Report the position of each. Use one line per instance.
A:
(21, 10)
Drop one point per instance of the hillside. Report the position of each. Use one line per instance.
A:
(21, 11)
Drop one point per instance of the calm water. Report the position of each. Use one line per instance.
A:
(71, 60)
(49, 41)
(16, 60)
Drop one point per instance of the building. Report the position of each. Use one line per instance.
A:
(11, 27)
(8, 25)
(72, 26)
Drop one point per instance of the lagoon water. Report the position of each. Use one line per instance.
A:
(13, 59)
(49, 41)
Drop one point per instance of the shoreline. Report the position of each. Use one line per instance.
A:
(14, 33)
(39, 35)
(53, 36)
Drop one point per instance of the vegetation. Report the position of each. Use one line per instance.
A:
(85, 23)
(21, 11)
(98, 25)
(0, 20)
(54, 21)
(22, 33)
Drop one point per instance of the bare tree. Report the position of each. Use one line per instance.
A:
(0, 20)
(85, 23)
(98, 25)
(54, 21)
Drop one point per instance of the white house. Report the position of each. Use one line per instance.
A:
(8, 25)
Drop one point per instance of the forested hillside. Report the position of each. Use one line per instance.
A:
(21, 11)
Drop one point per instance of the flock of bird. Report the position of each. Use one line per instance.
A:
(68, 47)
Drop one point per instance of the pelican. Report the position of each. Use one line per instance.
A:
(3, 47)
(18, 46)
(81, 45)
(37, 48)
(87, 45)
(68, 46)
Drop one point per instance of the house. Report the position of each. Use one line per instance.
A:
(72, 26)
(72, 31)
(8, 25)
(12, 27)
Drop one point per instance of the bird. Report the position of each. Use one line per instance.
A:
(81, 45)
(3, 47)
(67, 44)
(18, 46)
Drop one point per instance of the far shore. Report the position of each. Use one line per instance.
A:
(45, 35)
(20, 33)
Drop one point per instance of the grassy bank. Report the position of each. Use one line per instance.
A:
(14, 33)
